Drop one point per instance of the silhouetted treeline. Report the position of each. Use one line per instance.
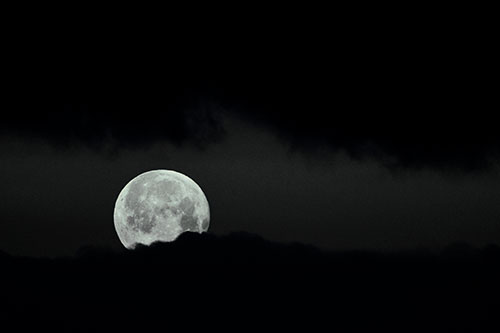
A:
(242, 282)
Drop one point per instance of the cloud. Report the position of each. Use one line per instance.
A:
(411, 112)
(412, 103)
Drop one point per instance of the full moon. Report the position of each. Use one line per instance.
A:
(159, 205)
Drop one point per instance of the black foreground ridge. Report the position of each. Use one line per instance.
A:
(242, 282)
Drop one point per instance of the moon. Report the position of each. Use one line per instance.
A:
(159, 205)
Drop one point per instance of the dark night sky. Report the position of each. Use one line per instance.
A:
(372, 139)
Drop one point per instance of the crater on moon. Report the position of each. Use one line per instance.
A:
(158, 206)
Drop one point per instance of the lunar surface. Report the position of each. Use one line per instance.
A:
(159, 205)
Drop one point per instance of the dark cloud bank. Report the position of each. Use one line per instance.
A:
(401, 128)
(241, 282)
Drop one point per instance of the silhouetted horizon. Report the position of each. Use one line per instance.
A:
(457, 249)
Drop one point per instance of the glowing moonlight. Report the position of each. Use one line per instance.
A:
(159, 205)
